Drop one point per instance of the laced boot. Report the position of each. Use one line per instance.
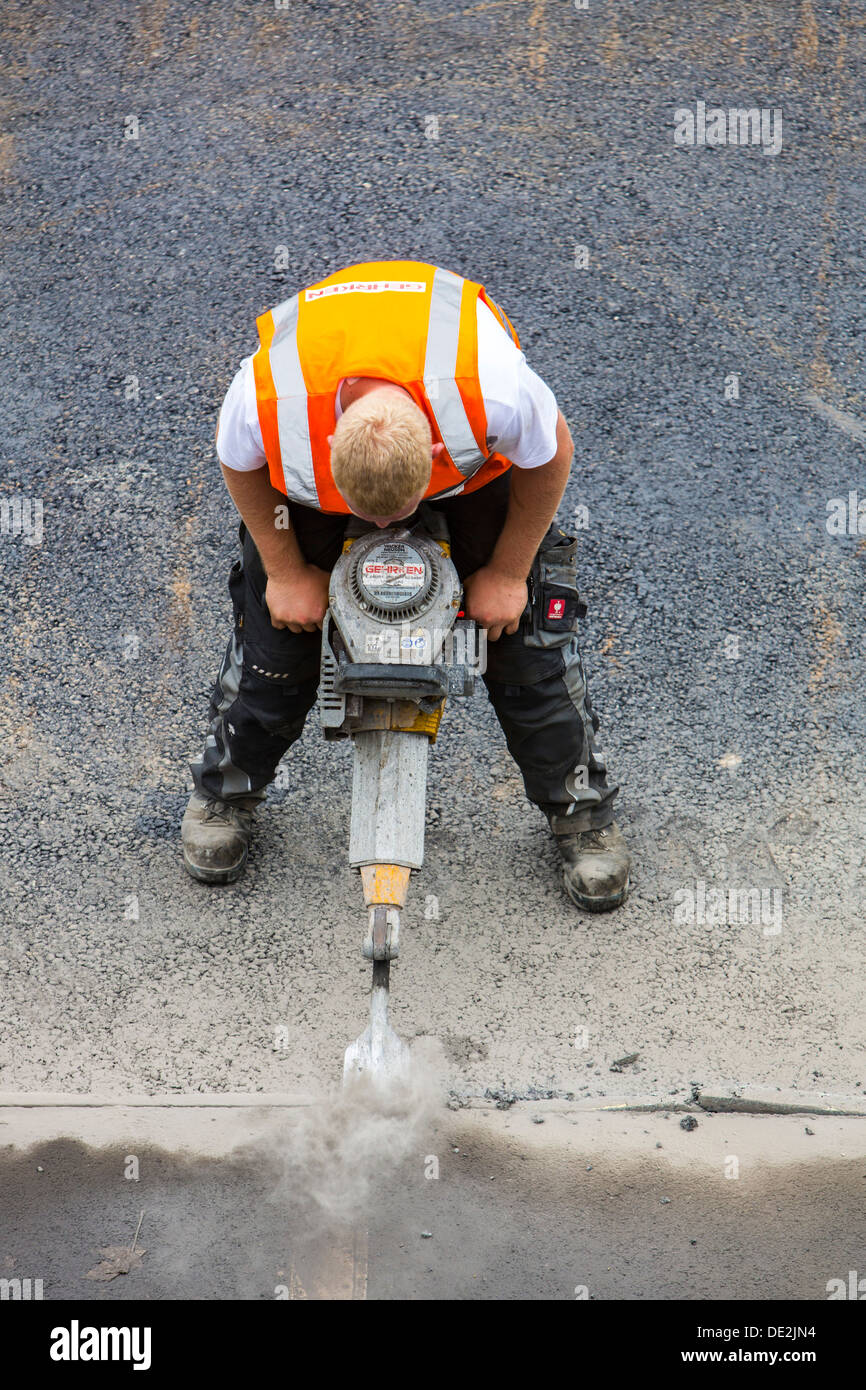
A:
(216, 836)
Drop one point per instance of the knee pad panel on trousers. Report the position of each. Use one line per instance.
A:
(276, 706)
(511, 661)
(290, 662)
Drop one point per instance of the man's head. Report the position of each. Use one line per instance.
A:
(381, 454)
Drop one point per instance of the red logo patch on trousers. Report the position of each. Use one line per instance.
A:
(556, 608)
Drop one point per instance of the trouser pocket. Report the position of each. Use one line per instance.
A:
(237, 587)
(555, 605)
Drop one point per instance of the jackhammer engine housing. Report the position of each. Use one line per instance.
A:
(392, 630)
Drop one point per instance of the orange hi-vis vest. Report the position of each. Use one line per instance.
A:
(404, 321)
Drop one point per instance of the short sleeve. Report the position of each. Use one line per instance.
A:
(522, 412)
(239, 437)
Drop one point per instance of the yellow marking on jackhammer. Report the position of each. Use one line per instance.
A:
(385, 884)
(426, 723)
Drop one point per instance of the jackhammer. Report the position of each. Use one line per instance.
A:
(395, 644)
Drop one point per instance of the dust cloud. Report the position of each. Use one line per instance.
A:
(330, 1159)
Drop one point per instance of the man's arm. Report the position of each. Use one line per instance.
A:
(496, 594)
(296, 593)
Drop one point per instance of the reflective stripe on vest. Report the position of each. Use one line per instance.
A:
(440, 366)
(296, 453)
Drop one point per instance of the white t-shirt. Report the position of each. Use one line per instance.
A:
(521, 410)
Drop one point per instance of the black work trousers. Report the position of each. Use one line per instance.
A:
(535, 679)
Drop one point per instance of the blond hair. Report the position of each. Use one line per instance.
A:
(381, 453)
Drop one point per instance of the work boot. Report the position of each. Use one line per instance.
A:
(595, 865)
(216, 836)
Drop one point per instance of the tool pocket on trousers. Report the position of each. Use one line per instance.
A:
(555, 603)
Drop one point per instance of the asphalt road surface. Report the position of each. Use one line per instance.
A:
(171, 170)
(478, 1204)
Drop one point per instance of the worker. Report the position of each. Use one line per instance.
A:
(387, 383)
